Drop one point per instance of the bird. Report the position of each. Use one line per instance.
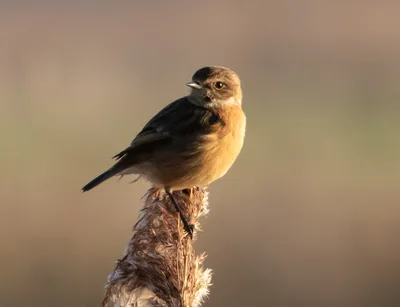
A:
(191, 142)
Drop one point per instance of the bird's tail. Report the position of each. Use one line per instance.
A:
(99, 179)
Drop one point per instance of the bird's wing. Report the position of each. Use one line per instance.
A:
(180, 118)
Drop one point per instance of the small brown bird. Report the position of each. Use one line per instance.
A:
(191, 142)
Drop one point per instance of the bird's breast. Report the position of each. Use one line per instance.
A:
(222, 147)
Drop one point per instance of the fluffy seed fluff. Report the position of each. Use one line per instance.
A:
(159, 267)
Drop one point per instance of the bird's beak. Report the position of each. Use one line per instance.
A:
(194, 85)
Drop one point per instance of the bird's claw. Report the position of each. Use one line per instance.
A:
(189, 228)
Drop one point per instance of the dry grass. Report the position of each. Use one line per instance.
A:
(160, 267)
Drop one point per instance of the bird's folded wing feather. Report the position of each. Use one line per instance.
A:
(178, 119)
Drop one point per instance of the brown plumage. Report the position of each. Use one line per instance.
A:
(191, 142)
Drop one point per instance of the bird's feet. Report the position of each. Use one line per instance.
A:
(189, 228)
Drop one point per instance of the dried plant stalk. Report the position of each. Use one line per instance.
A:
(160, 267)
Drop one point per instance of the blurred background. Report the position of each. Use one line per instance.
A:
(309, 214)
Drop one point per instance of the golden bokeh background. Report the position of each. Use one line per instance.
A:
(309, 214)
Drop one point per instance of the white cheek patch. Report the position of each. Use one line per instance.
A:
(230, 102)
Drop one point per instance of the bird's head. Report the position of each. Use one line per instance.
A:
(215, 86)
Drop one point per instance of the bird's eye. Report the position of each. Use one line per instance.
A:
(219, 85)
